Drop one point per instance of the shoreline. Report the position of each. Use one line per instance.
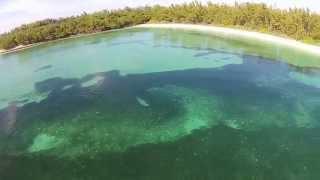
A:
(234, 32)
(25, 47)
(216, 30)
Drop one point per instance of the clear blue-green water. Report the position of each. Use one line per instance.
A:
(159, 104)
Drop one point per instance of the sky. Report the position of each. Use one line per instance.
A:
(16, 12)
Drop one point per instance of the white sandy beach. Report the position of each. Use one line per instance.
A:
(18, 48)
(220, 31)
(229, 32)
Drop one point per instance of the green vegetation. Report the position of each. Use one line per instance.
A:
(300, 24)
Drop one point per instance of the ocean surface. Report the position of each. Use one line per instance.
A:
(159, 104)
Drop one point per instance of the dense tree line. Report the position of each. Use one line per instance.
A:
(300, 24)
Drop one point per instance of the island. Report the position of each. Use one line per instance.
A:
(299, 24)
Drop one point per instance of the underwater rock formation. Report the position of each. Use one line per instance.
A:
(106, 111)
(44, 142)
(142, 102)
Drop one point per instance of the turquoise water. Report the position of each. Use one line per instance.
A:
(159, 104)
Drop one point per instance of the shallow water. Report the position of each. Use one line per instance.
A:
(159, 104)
